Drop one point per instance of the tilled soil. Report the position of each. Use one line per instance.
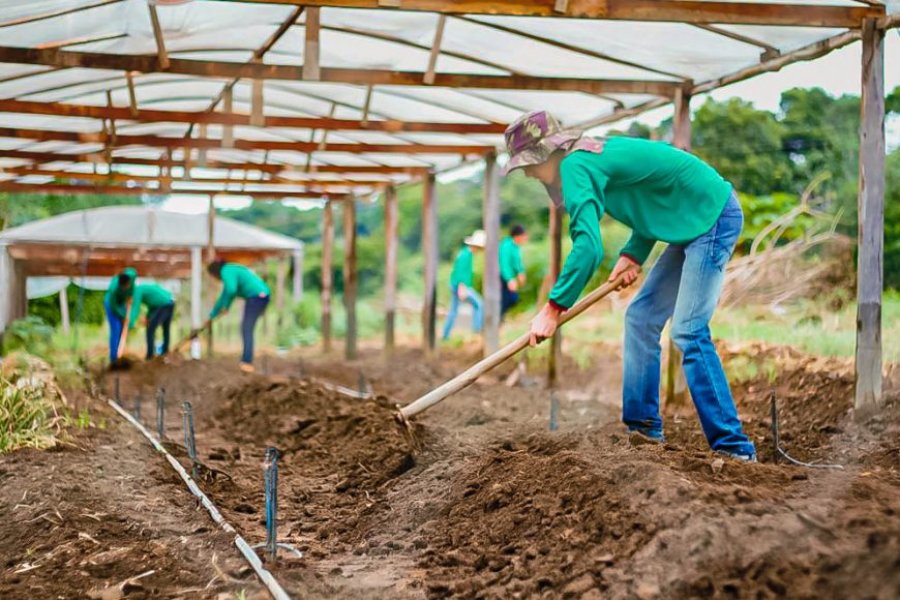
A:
(480, 500)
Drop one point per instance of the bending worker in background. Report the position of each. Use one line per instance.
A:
(512, 271)
(115, 302)
(160, 309)
(662, 194)
(461, 289)
(238, 280)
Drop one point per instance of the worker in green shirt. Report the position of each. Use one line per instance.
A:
(461, 289)
(160, 309)
(512, 271)
(115, 302)
(238, 280)
(662, 194)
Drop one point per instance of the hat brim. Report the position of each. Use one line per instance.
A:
(541, 153)
(474, 242)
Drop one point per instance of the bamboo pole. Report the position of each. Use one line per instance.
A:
(327, 276)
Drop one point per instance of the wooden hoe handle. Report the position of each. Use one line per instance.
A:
(468, 377)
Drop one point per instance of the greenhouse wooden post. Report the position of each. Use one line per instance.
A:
(869, 287)
(281, 269)
(430, 250)
(210, 256)
(297, 292)
(555, 234)
(491, 282)
(676, 385)
(327, 276)
(390, 266)
(64, 308)
(350, 279)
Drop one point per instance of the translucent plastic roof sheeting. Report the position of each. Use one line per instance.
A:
(385, 40)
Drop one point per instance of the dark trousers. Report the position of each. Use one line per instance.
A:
(508, 298)
(253, 310)
(159, 317)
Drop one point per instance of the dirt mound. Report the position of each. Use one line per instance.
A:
(325, 432)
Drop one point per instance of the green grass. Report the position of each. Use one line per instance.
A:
(28, 419)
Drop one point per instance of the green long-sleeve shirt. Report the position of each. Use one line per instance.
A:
(150, 295)
(115, 297)
(510, 259)
(462, 268)
(237, 280)
(661, 192)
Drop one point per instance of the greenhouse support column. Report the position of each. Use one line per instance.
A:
(350, 279)
(430, 250)
(676, 384)
(327, 275)
(556, 218)
(196, 296)
(298, 275)
(280, 284)
(64, 309)
(869, 286)
(210, 256)
(13, 301)
(491, 282)
(390, 266)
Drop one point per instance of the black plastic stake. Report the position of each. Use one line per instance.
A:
(161, 413)
(270, 478)
(362, 385)
(189, 441)
(554, 412)
(137, 407)
(116, 392)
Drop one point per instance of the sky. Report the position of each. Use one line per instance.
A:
(837, 73)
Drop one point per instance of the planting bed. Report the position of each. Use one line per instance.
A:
(480, 500)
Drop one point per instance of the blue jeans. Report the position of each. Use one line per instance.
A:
(508, 298)
(473, 298)
(115, 332)
(253, 310)
(159, 317)
(684, 285)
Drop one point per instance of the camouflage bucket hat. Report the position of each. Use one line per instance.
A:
(533, 137)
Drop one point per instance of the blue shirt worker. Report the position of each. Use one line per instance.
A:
(115, 302)
(239, 281)
(160, 309)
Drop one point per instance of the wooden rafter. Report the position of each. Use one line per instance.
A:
(67, 189)
(161, 53)
(311, 68)
(678, 11)
(166, 116)
(769, 51)
(150, 64)
(57, 13)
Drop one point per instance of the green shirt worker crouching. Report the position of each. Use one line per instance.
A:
(115, 302)
(512, 270)
(160, 309)
(239, 281)
(662, 194)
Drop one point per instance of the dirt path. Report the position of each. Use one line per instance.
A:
(83, 520)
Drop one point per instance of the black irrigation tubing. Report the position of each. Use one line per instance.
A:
(264, 575)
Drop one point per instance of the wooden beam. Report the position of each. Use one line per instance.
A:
(675, 11)
(59, 109)
(311, 68)
(327, 274)
(132, 96)
(870, 260)
(430, 251)
(59, 189)
(162, 55)
(197, 68)
(390, 266)
(98, 158)
(555, 234)
(350, 277)
(435, 50)
(257, 104)
(56, 13)
(769, 51)
(178, 143)
(228, 107)
(491, 281)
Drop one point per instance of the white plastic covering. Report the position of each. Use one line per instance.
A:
(358, 39)
(40, 287)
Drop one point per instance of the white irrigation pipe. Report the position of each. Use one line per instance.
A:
(265, 576)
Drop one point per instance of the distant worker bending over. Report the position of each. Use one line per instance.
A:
(160, 309)
(238, 280)
(512, 271)
(663, 194)
(115, 301)
(461, 289)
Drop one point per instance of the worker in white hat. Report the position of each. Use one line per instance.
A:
(461, 289)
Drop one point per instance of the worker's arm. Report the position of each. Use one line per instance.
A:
(637, 248)
(584, 203)
(226, 297)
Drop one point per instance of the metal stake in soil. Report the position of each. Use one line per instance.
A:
(189, 441)
(363, 388)
(778, 451)
(271, 489)
(137, 407)
(554, 411)
(116, 393)
(161, 413)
